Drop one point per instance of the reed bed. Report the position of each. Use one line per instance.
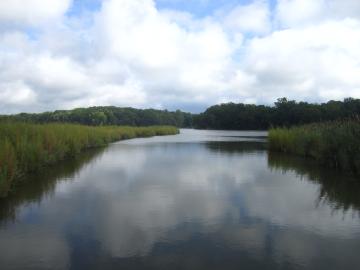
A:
(27, 147)
(335, 144)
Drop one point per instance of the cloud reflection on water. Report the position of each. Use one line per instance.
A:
(150, 199)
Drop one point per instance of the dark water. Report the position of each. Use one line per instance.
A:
(199, 200)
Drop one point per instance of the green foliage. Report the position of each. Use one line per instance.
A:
(336, 143)
(98, 116)
(27, 147)
(285, 113)
(229, 116)
(7, 165)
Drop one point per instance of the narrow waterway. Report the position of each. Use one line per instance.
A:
(197, 200)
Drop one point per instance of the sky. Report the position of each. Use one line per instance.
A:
(176, 54)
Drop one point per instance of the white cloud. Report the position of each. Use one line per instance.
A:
(254, 18)
(316, 63)
(16, 93)
(129, 53)
(294, 13)
(165, 55)
(32, 11)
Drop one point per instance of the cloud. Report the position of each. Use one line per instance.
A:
(312, 63)
(254, 18)
(293, 13)
(133, 55)
(16, 93)
(32, 12)
(130, 53)
(162, 53)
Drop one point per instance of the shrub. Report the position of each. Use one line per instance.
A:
(27, 147)
(336, 144)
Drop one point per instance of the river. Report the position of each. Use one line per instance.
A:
(197, 200)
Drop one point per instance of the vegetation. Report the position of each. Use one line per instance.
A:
(28, 141)
(42, 183)
(229, 116)
(98, 116)
(334, 143)
(284, 113)
(27, 147)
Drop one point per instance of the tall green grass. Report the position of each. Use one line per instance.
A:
(28, 147)
(335, 144)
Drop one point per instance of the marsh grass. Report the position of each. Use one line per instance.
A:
(27, 147)
(335, 144)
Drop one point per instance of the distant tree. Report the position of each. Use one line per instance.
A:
(111, 115)
(223, 116)
(284, 113)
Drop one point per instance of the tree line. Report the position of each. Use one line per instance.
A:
(228, 116)
(108, 116)
(284, 113)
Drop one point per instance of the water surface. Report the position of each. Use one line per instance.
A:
(198, 200)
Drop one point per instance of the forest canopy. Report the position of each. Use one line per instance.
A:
(109, 115)
(284, 113)
(227, 116)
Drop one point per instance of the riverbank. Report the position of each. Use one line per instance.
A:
(26, 148)
(335, 144)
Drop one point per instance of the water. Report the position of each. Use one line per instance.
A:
(198, 200)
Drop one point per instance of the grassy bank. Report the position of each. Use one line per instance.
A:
(28, 147)
(335, 144)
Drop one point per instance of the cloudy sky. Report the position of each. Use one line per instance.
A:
(176, 54)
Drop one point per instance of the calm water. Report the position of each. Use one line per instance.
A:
(198, 200)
